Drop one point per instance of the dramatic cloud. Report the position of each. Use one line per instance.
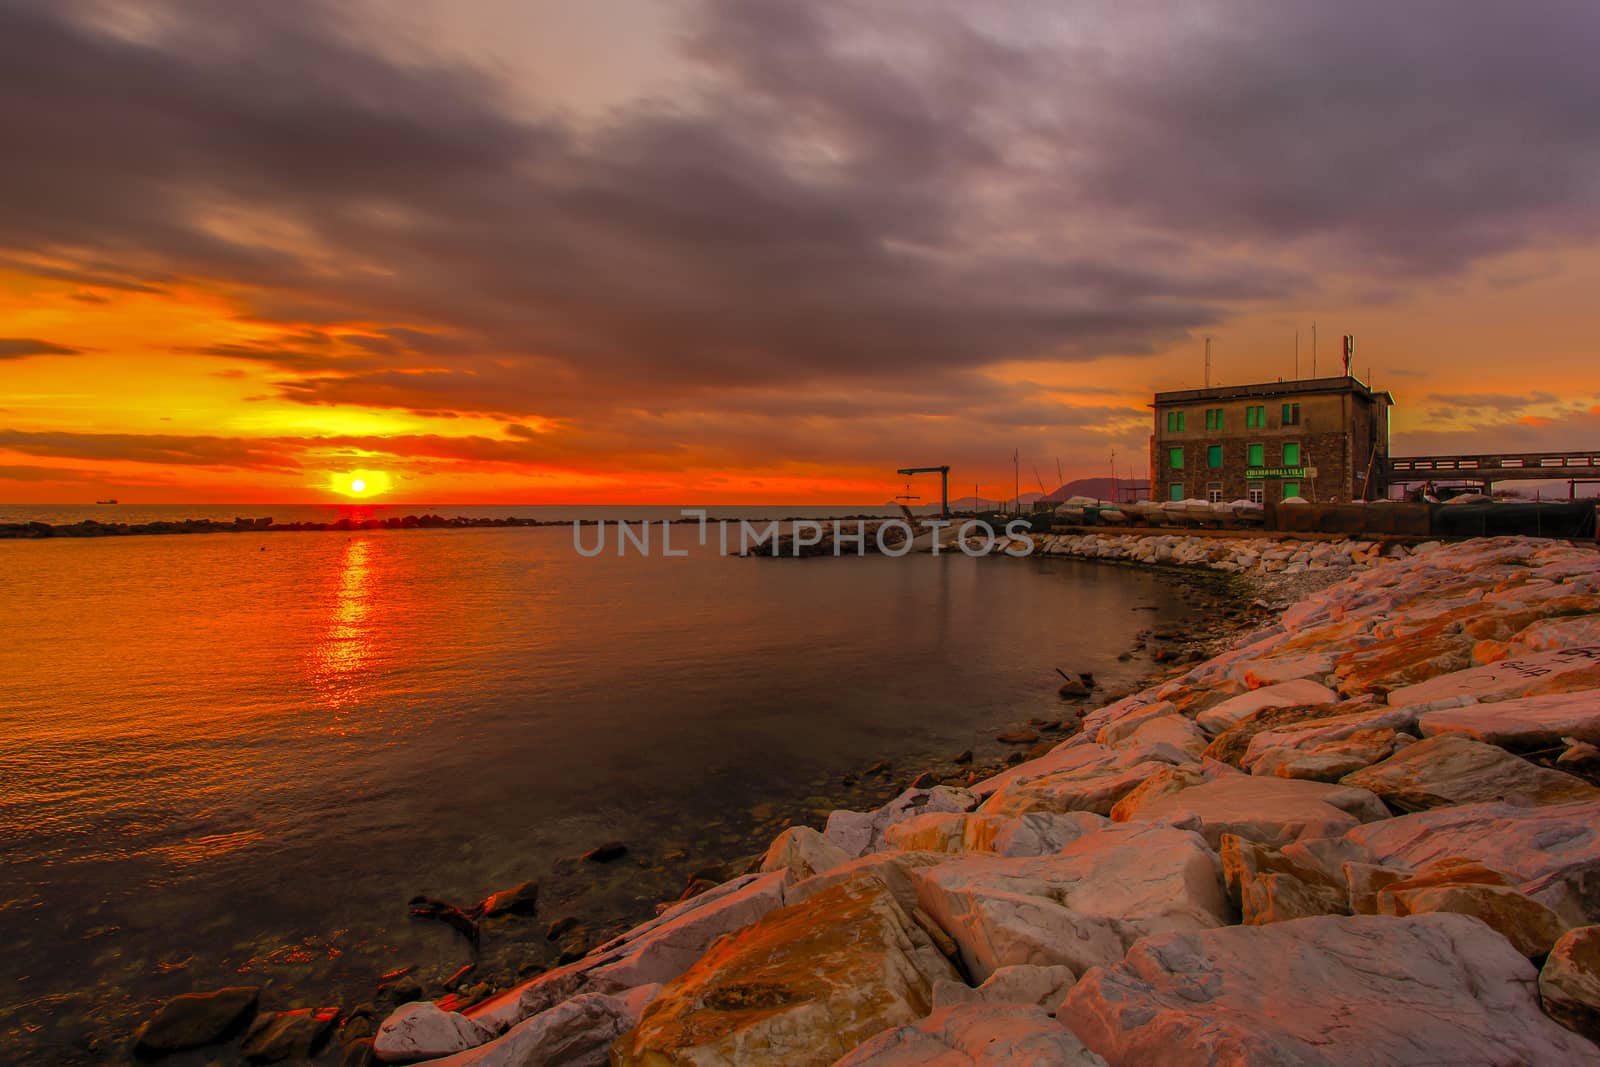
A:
(147, 448)
(845, 219)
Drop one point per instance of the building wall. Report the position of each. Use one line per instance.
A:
(1337, 433)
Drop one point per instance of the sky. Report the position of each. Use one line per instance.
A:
(752, 251)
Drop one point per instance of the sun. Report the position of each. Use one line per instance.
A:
(359, 483)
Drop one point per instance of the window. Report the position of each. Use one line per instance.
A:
(1213, 418)
(1255, 417)
(1291, 454)
(1256, 492)
(1291, 489)
(1214, 492)
(1214, 456)
(1174, 421)
(1291, 414)
(1175, 458)
(1258, 456)
(1175, 492)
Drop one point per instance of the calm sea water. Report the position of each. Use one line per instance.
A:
(233, 758)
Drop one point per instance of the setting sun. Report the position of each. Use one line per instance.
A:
(363, 483)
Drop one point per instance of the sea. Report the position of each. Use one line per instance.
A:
(233, 758)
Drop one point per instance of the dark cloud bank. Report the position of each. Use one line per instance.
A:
(873, 224)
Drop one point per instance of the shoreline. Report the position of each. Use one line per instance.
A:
(1321, 807)
(517, 947)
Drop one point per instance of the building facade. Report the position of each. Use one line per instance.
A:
(1323, 439)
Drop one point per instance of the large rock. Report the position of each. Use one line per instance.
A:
(1269, 886)
(1076, 759)
(1232, 744)
(421, 1030)
(1096, 790)
(976, 1035)
(1522, 725)
(1022, 983)
(1121, 727)
(1552, 852)
(1273, 811)
(575, 1033)
(1302, 692)
(288, 1035)
(1331, 760)
(803, 986)
(1401, 663)
(1582, 631)
(1079, 908)
(893, 869)
(1453, 769)
(194, 1020)
(1467, 887)
(1162, 783)
(1322, 992)
(1029, 834)
(1176, 730)
(1507, 678)
(1266, 671)
(860, 832)
(803, 852)
(1569, 984)
(656, 951)
(1313, 734)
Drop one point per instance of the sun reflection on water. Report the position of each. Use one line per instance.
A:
(346, 644)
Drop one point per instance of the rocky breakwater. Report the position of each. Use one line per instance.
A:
(1231, 555)
(1368, 834)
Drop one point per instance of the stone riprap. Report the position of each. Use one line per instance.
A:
(1233, 555)
(1317, 848)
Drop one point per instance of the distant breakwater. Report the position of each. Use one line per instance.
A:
(94, 528)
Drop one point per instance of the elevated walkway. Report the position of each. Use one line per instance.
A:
(1569, 467)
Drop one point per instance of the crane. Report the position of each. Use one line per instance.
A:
(944, 485)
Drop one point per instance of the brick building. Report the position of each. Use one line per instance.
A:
(1317, 438)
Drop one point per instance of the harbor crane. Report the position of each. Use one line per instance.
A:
(944, 485)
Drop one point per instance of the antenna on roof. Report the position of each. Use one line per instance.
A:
(1297, 355)
(1313, 350)
(1208, 363)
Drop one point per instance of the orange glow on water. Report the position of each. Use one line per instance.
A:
(346, 643)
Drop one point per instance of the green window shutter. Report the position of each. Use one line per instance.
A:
(1291, 489)
(1286, 414)
(1214, 456)
(1180, 420)
(1291, 455)
(1256, 456)
(1175, 458)
(1176, 492)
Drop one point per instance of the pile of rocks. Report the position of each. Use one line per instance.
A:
(1358, 837)
(1233, 555)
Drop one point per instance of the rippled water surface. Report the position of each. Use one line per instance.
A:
(232, 758)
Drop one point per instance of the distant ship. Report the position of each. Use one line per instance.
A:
(112, 501)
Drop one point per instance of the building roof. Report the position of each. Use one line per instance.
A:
(1265, 390)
